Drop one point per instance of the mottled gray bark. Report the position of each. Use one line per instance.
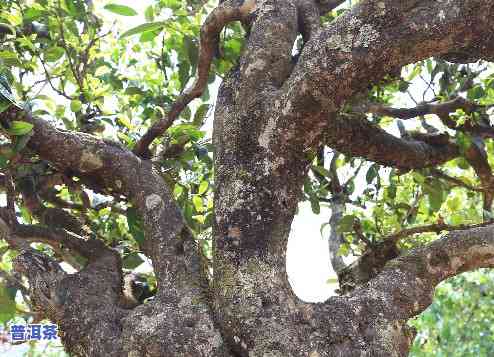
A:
(337, 206)
(335, 237)
(354, 135)
(270, 112)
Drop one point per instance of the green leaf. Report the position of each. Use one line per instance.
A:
(197, 201)
(346, 224)
(33, 12)
(178, 190)
(135, 225)
(149, 26)
(26, 215)
(372, 173)
(188, 212)
(200, 114)
(75, 105)
(476, 92)
(7, 303)
(132, 90)
(4, 105)
(199, 218)
(8, 55)
(149, 13)
(148, 36)
(186, 129)
(122, 10)
(53, 54)
(418, 177)
(20, 128)
(183, 73)
(464, 141)
(314, 204)
(454, 204)
(129, 142)
(391, 192)
(403, 86)
(132, 261)
(435, 193)
(344, 250)
(21, 142)
(70, 7)
(192, 50)
(203, 187)
(125, 122)
(4, 162)
(321, 171)
(13, 17)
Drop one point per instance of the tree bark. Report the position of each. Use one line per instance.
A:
(271, 111)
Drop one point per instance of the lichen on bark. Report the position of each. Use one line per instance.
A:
(272, 110)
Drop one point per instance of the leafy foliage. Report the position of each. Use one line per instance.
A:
(381, 202)
(112, 71)
(459, 322)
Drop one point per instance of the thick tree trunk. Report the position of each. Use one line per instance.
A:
(271, 112)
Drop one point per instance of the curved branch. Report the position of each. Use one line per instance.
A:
(359, 48)
(374, 260)
(475, 154)
(401, 291)
(225, 13)
(59, 239)
(420, 271)
(176, 257)
(442, 110)
(115, 170)
(356, 136)
(454, 181)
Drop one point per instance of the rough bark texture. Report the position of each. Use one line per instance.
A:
(271, 111)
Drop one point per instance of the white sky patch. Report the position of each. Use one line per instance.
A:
(307, 263)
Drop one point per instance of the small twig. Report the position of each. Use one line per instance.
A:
(85, 55)
(422, 108)
(72, 65)
(455, 181)
(9, 181)
(49, 79)
(357, 227)
(412, 208)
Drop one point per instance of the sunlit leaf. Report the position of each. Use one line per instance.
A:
(147, 27)
(19, 128)
(121, 9)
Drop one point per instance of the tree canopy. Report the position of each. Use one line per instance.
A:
(379, 110)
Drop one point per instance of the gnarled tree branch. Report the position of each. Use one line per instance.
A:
(374, 260)
(354, 135)
(226, 12)
(175, 255)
